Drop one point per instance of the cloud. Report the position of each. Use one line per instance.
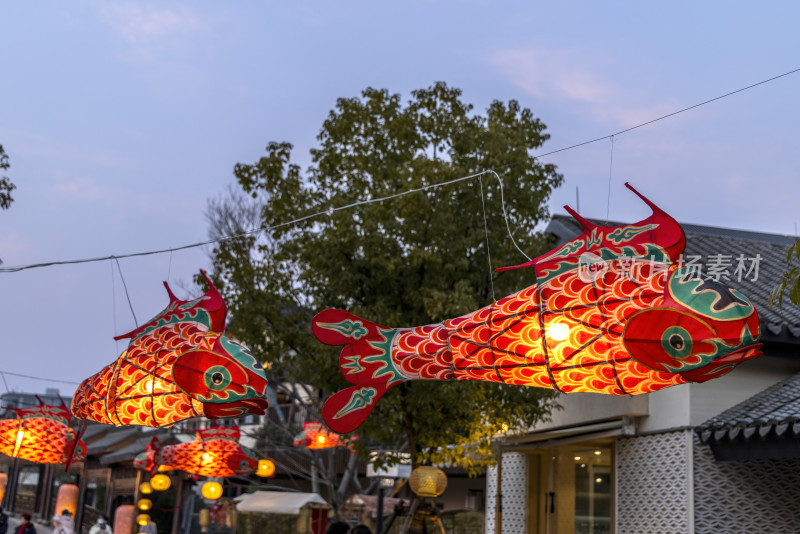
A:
(577, 80)
(141, 24)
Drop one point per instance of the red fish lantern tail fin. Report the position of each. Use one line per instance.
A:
(74, 445)
(365, 361)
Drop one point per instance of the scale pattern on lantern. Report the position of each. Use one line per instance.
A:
(215, 452)
(178, 365)
(612, 312)
(40, 434)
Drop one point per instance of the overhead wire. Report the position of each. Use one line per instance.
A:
(11, 269)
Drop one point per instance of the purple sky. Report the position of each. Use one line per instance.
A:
(122, 119)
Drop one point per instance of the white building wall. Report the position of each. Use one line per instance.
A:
(745, 496)
(654, 484)
(514, 489)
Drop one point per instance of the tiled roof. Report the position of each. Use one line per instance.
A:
(706, 241)
(129, 452)
(112, 438)
(772, 412)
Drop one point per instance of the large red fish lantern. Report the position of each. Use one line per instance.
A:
(214, 453)
(41, 434)
(612, 311)
(178, 365)
(315, 436)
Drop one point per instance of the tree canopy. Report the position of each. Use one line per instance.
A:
(5, 184)
(413, 259)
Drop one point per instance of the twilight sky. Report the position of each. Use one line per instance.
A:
(121, 119)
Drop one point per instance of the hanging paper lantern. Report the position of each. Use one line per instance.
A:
(144, 504)
(211, 490)
(178, 365)
(3, 480)
(142, 519)
(427, 481)
(40, 434)
(124, 519)
(215, 453)
(160, 482)
(316, 436)
(145, 488)
(266, 468)
(67, 499)
(613, 311)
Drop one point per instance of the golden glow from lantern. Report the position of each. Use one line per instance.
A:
(144, 504)
(321, 440)
(3, 480)
(142, 519)
(427, 481)
(206, 457)
(160, 482)
(211, 490)
(20, 435)
(558, 331)
(266, 468)
(67, 498)
(145, 488)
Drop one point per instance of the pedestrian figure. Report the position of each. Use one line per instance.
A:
(3, 522)
(101, 527)
(26, 527)
(360, 529)
(338, 527)
(64, 523)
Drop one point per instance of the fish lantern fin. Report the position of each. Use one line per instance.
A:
(658, 235)
(363, 362)
(172, 297)
(74, 445)
(346, 410)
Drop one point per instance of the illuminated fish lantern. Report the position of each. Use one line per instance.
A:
(214, 453)
(178, 365)
(40, 434)
(316, 436)
(613, 311)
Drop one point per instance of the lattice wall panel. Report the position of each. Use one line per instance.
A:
(515, 493)
(745, 496)
(653, 484)
(491, 498)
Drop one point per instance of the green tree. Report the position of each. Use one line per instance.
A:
(411, 260)
(5, 184)
(790, 280)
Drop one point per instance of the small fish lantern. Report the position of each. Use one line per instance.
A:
(145, 488)
(144, 504)
(315, 436)
(142, 519)
(40, 434)
(211, 490)
(160, 482)
(613, 311)
(266, 468)
(215, 452)
(427, 481)
(178, 365)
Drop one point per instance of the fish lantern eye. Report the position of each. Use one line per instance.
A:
(676, 341)
(217, 378)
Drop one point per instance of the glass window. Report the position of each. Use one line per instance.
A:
(592, 489)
